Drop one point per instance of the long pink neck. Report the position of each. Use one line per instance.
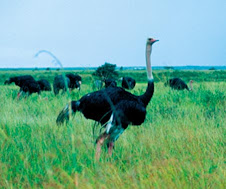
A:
(148, 62)
(146, 97)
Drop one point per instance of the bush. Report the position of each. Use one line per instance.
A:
(106, 71)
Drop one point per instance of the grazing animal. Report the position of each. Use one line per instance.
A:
(110, 83)
(113, 107)
(179, 84)
(44, 85)
(72, 81)
(60, 83)
(27, 84)
(128, 83)
(75, 81)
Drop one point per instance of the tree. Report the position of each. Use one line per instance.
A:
(212, 68)
(36, 69)
(106, 71)
(169, 67)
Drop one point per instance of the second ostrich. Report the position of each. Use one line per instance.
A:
(179, 84)
(44, 85)
(113, 107)
(70, 81)
(27, 84)
(110, 83)
(128, 82)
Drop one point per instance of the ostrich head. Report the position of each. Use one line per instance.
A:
(151, 41)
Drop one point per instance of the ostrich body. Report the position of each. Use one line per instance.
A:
(26, 83)
(114, 108)
(18, 80)
(179, 84)
(44, 85)
(59, 83)
(128, 83)
(110, 83)
(70, 81)
(75, 81)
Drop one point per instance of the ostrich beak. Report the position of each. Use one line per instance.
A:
(154, 40)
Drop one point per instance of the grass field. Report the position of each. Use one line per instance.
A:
(180, 145)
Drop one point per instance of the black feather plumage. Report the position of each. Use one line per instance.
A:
(26, 83)
(128, 83)
(177, 84)
(44, 85)
(110, 83)
(70, 81)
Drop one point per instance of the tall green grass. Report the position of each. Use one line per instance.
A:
(180, 145)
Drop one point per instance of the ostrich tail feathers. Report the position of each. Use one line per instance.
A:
(65, 114)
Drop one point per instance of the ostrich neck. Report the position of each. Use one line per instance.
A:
(148, 62)
(146, 97)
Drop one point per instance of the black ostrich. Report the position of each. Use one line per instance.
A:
(44, 85)
(179, 84)
(110, 83)
(75, 81)
(60, 82)
(72, 81)
(128, 82)
(27, 84)
(113, 107)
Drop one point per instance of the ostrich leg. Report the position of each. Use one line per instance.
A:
(99, 143)
(100, 140)
(110, 148)
(19, 94)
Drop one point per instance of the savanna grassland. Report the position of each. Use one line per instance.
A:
(180, 145)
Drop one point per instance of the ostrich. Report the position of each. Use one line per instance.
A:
(71, 80)
(110, 83)
(75, 81)
(179, 84)
(128, 82)
(26, 83)
(113, 107)
(44, 85)
(60, 82)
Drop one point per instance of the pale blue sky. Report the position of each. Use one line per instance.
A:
(82, 33)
